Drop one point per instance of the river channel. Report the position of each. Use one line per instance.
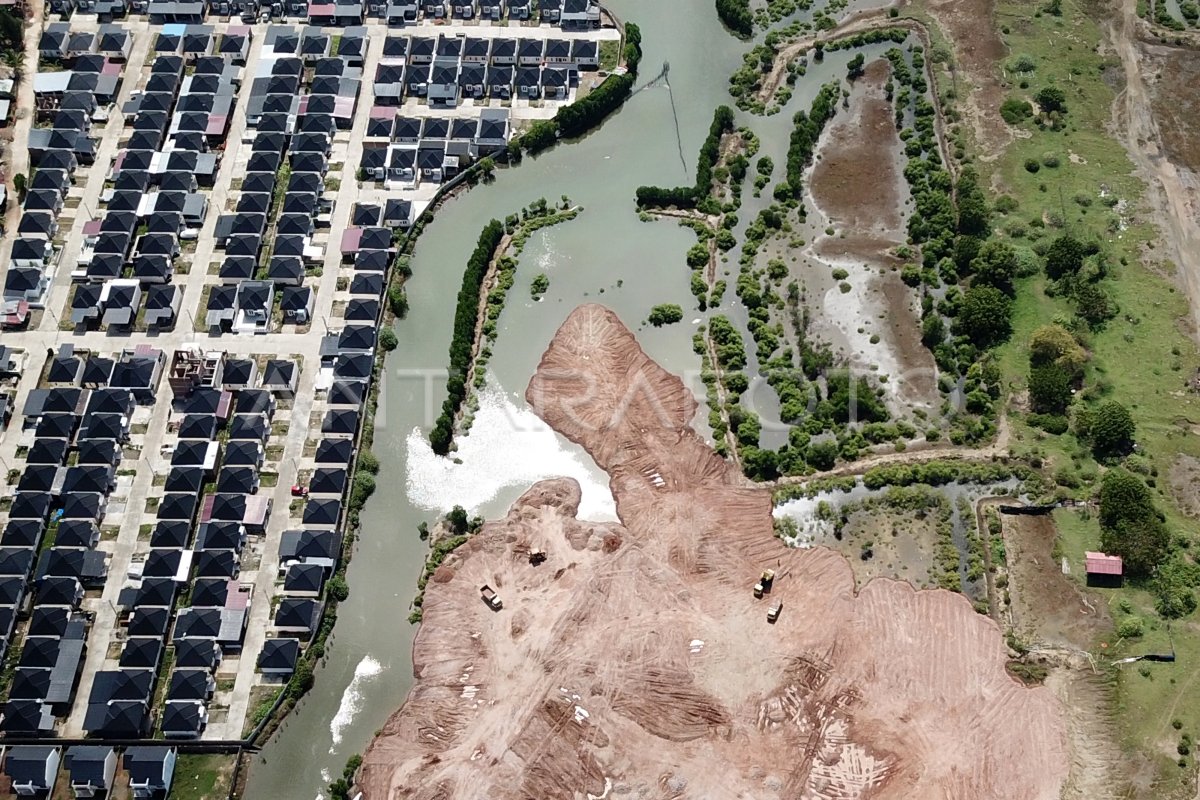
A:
(606, 255)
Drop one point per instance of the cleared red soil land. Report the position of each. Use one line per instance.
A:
(635, 661)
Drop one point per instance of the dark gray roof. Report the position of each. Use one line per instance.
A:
(146, 764)
(199, 426)
(279, 654)
(198, 652)
(149, 621)
(334, 451)
(142, 652)
(254, 401)
(27, 763)
(77, 533)
(217, 564)
(239, 479)
(182, 717)
(304, 544)
(304, 578)
(298, 613)
(155, 592)
(322, 512)
(22, 533)
(340, 421)
(189, 684)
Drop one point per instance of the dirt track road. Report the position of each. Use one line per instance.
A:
(858, 23)
(997, 448)
(1135, 124)
(862, 22)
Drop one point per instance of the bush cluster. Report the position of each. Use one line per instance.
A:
(736, 16)
(710, 152)
(807, 129)
(466, 316)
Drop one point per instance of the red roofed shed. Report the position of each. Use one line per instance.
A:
(1102, 569)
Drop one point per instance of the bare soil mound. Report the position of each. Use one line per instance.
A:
(636, 663)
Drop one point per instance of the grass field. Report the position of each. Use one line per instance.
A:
(202, 777)
(1153, 697)
(1142, 357)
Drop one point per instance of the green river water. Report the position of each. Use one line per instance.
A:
(367, 671)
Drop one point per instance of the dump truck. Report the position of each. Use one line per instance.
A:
(491, 598)
(764, 583)
(773, 612)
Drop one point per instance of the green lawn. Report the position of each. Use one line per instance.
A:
(202, 777)
(1152, 697)
(610, 54)
(1142, 358)
(1142, 354)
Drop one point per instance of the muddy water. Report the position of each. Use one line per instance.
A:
(368, 669)
(811, 271)
(813, 531)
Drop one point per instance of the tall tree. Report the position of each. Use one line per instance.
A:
(1054, 344)
(1064, 257)
(996, 265)
(1112, 429)
(1049, 389)
(1129, 524)
(973, 213)
(984, 316)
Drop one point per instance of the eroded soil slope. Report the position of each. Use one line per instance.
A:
(636, 663)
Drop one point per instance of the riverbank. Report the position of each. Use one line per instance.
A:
(497, 282)
(367, 671)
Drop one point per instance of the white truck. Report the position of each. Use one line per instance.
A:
(491, 598)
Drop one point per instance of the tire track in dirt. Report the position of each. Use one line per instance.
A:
(1096, 758)
(1136, 127)
(998, 448)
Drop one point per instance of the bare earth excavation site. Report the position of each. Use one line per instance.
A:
(635, 660)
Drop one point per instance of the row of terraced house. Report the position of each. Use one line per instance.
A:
(575, 15)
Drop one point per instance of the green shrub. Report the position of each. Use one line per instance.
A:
(697, 255)
(1130, 628)
(398, 300)
(665, 314)
(461, 344)
(388, 340)
(1014, 110)
(337, 588)
(367, 462)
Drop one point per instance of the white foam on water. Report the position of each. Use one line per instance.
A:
(508, 445)
(351, 703)
(550, 256)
